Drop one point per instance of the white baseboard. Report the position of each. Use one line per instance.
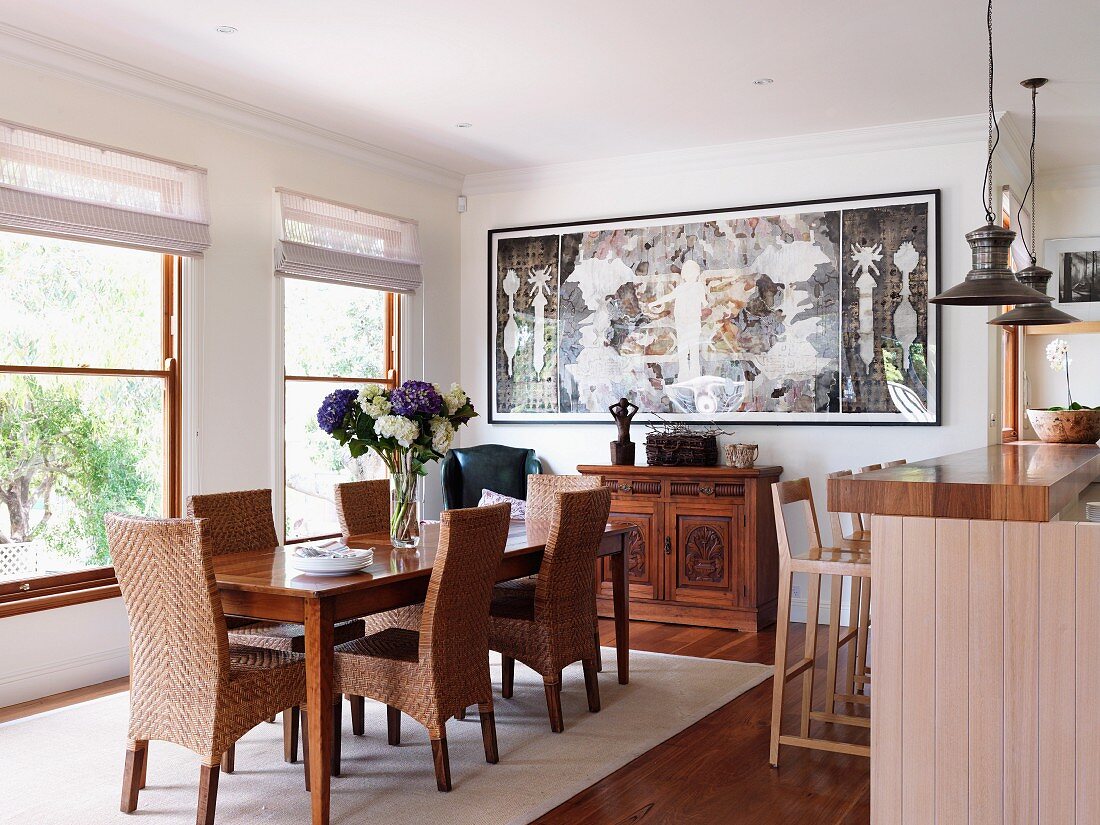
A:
(67, 674)
(798, 611)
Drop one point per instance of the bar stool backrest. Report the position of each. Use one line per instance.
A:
(794, 492)
(835, 524)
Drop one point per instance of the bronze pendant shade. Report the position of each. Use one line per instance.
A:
(990, 282)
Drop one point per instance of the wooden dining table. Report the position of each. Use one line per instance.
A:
(260, 585)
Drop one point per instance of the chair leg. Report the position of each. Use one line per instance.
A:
(208, 794)
(393, 725)
(591, 684)
(836, 594)
(442, 761)
(290, 735)
(855, 601)
(228, 758)
(460, 715)
(861, 638)
(813, 608)
(337, 729)
(136, 756)
(553, 704)
(599, 653)
(305, 744)
(270, 720)
(144, 767)
(489, 732)
(507, 676)
(358, 709)
(779, 680)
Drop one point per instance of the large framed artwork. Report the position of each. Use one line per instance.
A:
(798, 313)
(1076, 266)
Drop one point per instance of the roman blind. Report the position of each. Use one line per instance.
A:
(60, 186)
(327, 241)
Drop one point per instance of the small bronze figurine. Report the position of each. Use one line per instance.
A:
(622, 449)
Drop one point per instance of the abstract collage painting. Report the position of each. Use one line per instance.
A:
(796, 313)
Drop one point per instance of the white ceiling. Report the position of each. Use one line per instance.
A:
(571, 80)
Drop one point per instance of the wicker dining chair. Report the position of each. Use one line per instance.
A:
(179, 648)
(552, 626)
(363, 507)
(238, 522)
(436, 672)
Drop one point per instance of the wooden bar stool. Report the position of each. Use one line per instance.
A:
(816, 561)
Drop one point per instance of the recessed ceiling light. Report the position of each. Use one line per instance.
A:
(463, 125)
(763, 81)
(226, 30)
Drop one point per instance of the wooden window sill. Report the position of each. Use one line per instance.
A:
(33, 602)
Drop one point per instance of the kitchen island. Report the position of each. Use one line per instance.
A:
(985, 648)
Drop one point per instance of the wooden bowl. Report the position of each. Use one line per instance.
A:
(1066, 426)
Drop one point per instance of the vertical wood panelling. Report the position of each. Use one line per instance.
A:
(1088, 674)
(1021, 673)
(1057, 664)
(952, 670)
(919, 671)
(887, 605)
(986, 691)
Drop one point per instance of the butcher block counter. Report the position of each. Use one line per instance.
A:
(985, 648)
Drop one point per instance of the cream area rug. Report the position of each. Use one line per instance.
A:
(65, 767)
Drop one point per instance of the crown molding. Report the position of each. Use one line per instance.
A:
(939, 132)
(1070, 177)
(45, 54)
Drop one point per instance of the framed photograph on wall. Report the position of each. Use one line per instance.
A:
(1075, 263)
(798, 313)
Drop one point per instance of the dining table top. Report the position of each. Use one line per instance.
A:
(267, 572)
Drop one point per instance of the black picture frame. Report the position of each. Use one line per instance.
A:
(934, 340)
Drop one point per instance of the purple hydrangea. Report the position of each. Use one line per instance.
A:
(416, 398)
(334, 409)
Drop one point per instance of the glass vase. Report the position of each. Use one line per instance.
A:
(404, 509)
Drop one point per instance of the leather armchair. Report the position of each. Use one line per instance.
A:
(467, 471)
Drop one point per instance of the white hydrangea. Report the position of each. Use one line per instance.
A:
(378, 407)
(454, 399)
(369, 392)
(443, 433)
(399, 427)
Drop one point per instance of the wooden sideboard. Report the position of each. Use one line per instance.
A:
(703, 548)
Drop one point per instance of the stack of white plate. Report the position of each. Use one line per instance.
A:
(346, 564)
(1092, 510)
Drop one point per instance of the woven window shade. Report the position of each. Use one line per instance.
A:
(59, 186)
(326, 241)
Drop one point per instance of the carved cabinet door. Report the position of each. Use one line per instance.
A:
(704, 566)
(644, 566)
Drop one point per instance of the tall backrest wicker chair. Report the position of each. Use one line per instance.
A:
(363, 507)
(179, 648)
(542, 492)
(239, 522)
(435, 673)
(554, 625)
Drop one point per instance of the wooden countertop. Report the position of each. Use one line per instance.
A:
(1025, 481)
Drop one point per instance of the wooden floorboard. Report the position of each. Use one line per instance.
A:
(717, 771)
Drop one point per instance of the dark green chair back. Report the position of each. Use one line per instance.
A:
(469, 470)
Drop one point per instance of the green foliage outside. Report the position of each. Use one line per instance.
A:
(73, 448)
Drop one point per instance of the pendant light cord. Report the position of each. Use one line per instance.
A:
(994, 127)
(1030, 186)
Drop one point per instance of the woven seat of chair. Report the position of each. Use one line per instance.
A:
(188, 685)
(289, 637)
(450, 668)
(562, 628)
(407, 617)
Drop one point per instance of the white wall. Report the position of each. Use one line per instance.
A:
(239, 439)
(1064, 212)
(802, 450)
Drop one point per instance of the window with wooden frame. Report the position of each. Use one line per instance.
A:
(335, 336)
(89, 410)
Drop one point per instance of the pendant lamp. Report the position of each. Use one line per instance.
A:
(1035, 276)
(990, 281)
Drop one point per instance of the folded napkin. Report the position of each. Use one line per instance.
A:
(334, 550)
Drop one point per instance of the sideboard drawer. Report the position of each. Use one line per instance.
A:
(634, 487)
(706, 489)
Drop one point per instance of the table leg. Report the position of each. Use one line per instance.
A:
(621, 600)
(319, 641)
